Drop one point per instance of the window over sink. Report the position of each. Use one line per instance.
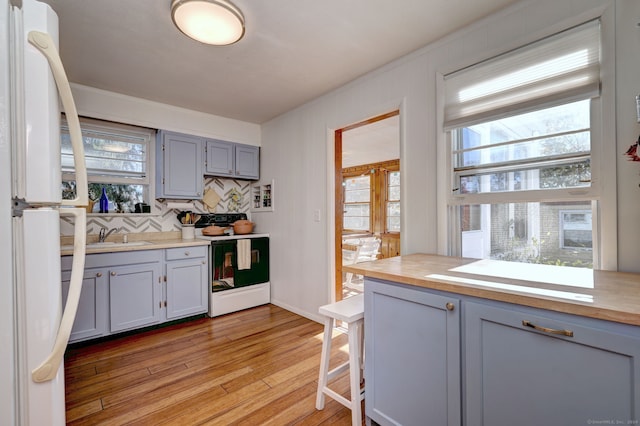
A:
(118, 159)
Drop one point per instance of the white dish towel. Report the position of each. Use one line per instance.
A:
(244, 254)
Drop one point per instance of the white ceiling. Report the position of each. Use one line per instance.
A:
(372, 143)
(293, 50)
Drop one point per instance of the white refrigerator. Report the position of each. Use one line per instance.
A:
(34, 324)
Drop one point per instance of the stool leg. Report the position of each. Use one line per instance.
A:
(324, 362)
(354, 371)
(361, 353)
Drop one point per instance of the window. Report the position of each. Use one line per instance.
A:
(357, 203)
(117, 158)
(393, 202)
(575, 229)
(520, 137)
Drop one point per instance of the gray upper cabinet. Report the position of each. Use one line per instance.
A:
(219, 158)
(232, 160)
(247, 162)
(179, 166)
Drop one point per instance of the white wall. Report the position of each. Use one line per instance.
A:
(96, 103)
(297, 147)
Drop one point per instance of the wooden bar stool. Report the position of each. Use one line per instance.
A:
(351, 311)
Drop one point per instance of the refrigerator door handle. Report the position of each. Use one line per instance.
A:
(44, 43)
(48, 369)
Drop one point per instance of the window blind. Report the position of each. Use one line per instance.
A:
(111, 151)
(565, 66)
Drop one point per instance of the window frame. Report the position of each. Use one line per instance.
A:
(603, 126)
(147, 135)
(345, 177)
(561, 229)
(390, 169)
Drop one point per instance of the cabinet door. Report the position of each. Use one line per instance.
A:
(180, 169)
(516, 375)
(412, 361)
(91, 317)
(220, 157)
(187, 289)
(134, 295)
(247, 164)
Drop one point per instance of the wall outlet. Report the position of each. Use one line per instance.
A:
(316, 215)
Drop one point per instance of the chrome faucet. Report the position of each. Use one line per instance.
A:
(102, 236)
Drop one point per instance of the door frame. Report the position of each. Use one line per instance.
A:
(339, 194)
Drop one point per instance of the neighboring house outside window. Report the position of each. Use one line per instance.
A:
(118, 158)
(520, 136)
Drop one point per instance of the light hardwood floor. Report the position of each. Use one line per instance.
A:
(255, 367)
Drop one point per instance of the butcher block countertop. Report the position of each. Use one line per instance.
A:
(605, 295)
(138, 241)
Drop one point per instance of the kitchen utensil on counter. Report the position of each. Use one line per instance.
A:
(188, 231)
(242, 227)
(213, 230)
(187, 217)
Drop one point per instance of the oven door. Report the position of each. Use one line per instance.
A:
(225, 274)
(259, 271)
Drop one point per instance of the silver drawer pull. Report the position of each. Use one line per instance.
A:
(567, 333)
(186, 253)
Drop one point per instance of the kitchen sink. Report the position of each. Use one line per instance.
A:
(110, 244)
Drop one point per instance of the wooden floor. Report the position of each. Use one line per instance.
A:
(254, 367)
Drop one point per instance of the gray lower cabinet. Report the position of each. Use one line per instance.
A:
(520, 375)
(135, 294)
(179, 166)
(91, 316)
(128, 290)
(412, 362)
(186, 270)
(502, 365)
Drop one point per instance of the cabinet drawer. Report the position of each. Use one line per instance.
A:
(180, 253)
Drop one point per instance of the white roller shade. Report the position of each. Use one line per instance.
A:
(565, 66)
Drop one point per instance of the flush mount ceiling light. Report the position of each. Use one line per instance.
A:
(215, 22)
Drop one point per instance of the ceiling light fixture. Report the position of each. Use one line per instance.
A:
(216, 22)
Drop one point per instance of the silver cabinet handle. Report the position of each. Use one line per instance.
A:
(99, 274)
(567, 333)
(113, 273)
(187, 253)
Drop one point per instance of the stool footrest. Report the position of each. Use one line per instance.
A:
(335, 395)
(339, 369)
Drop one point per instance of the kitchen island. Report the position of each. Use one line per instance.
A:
(461, 341)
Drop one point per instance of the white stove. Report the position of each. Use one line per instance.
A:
(239, 266)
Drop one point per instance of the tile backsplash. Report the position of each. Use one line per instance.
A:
(165, 219)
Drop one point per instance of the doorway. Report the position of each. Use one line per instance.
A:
(367, 198)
